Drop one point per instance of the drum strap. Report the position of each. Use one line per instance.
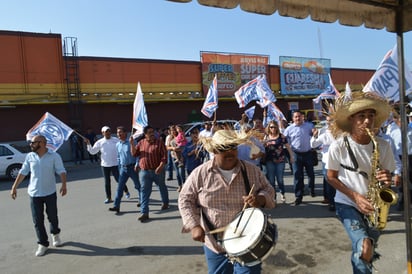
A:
(247, 188)
(245, 178)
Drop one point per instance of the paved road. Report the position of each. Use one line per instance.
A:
(311, 240)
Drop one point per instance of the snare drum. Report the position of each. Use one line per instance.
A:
(253, 240)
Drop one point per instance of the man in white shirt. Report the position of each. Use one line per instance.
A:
(108, 155)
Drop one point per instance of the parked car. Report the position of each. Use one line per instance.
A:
(12, 156)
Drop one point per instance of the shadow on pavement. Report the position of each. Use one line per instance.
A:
(83, 249)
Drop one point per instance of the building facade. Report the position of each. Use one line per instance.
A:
(43, 73)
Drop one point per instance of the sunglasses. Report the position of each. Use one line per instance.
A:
(33, 142)
(272, 127)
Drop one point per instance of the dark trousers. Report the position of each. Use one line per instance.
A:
(303, 160)
(37, 211)
(114, 170)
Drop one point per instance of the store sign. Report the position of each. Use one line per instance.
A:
(232, 70)
(303, 76)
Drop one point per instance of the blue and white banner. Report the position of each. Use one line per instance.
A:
(385, 81)
(256, 89)
(139, 112)
(55, 131)
(250, 112)
(210, 104)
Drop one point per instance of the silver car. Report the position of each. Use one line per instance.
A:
(12, 156)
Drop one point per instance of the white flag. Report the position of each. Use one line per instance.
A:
(139, 112)
(55, 131)
(385, 81)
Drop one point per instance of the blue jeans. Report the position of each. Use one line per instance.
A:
(147, 177)
(126, 172)
(274, 172)
(114, 170)
(302, 160)
(358, 229)
(220, 264)
(169, 165)
(37, 212)
(180, 173)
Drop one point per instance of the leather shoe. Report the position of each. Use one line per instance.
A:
(165, 206)
(143, 218)
(325, 201)
(138, 204)
(298, 201)
(114, 209)
(169, 179)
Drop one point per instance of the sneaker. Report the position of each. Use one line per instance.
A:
(41, 250)
(56, 240)
(127, 195)
(108, 201)
(283, 198)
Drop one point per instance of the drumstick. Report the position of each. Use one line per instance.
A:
(243, 210)
(217, 230)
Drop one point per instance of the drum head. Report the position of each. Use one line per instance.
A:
(247, 234)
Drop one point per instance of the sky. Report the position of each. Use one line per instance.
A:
(159, 29)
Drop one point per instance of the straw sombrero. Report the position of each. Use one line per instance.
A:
(358, 101)
(224, 140)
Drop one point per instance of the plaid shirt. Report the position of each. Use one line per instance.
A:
(206, 190)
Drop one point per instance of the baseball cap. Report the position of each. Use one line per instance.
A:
(105, 128)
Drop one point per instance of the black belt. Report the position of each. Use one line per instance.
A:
(127, 165)
(298, 152)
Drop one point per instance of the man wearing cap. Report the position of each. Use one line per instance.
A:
(108, 160)
(216, 191)
(350, 170)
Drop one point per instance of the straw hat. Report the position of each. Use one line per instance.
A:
(223, 140)
(346, 107)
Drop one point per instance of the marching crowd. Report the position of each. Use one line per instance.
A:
(223, 168)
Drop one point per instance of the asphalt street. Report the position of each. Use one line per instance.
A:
(311, 239)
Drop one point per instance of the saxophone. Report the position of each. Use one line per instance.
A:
(380, 197)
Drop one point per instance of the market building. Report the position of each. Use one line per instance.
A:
(43, 73)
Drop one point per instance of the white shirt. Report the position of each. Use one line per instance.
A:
(338, 153)
(324, 139)
(108, 150)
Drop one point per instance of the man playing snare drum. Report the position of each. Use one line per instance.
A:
(215, 193)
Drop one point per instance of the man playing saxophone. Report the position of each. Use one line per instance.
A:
(358, 165)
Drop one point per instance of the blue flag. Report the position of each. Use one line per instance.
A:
(210, 104)
(55, 131)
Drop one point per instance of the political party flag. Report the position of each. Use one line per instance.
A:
(210, 104)
(256, 89)
(264, 92)
(250, 112)
(274, 113)
(385, 80)
(55, 131)
(247, 93)
(330, 92)
(139, 112)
